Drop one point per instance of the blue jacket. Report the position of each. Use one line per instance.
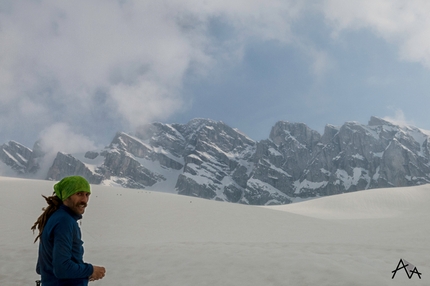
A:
(61, 251)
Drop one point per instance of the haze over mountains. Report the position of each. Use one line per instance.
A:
(209, 159)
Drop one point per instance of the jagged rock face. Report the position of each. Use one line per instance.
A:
(361, 157)
(298, 162)
(209, 159)
(20, 158)
(280, 161)
(66, 165)
(164, 136)
(122, 165)
(123, 162)
(217, 160)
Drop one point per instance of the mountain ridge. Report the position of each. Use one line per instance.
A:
(209, 159)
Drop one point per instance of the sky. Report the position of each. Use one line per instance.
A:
(75, 73)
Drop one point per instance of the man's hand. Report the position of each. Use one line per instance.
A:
(98, 273)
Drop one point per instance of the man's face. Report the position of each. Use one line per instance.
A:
(77, 202)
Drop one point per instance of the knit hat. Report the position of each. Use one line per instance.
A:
(71, 185)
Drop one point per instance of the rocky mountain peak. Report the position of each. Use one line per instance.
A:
(286, 133)
(376, 121)
(209, 159)
(19, 157)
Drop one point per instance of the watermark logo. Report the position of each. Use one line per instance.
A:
(410, 269)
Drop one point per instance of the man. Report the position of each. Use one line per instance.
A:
(61, 251)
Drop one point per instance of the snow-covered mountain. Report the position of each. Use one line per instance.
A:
(209, 159)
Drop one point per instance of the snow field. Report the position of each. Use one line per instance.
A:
(144, 237)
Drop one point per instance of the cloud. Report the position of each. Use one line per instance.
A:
(399, 118)
(404, 23)
(60, 137)
(157, 102)
(109, 64)
(61, 60)
(6, 171)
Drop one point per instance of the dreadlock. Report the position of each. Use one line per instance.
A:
(54, 203)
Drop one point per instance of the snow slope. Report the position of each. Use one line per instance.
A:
(151, 238)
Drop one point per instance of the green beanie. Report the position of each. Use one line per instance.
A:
(71, 185)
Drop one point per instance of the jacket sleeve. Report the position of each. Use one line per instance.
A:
(64, 266)
(38, 267)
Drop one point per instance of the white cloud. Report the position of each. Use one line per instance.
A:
(155, 101)
(399, 118)
(405, 23)
(60, 137)
(57, 56)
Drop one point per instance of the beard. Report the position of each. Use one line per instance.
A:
(78, 208)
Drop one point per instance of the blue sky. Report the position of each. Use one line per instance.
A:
(77, 73)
